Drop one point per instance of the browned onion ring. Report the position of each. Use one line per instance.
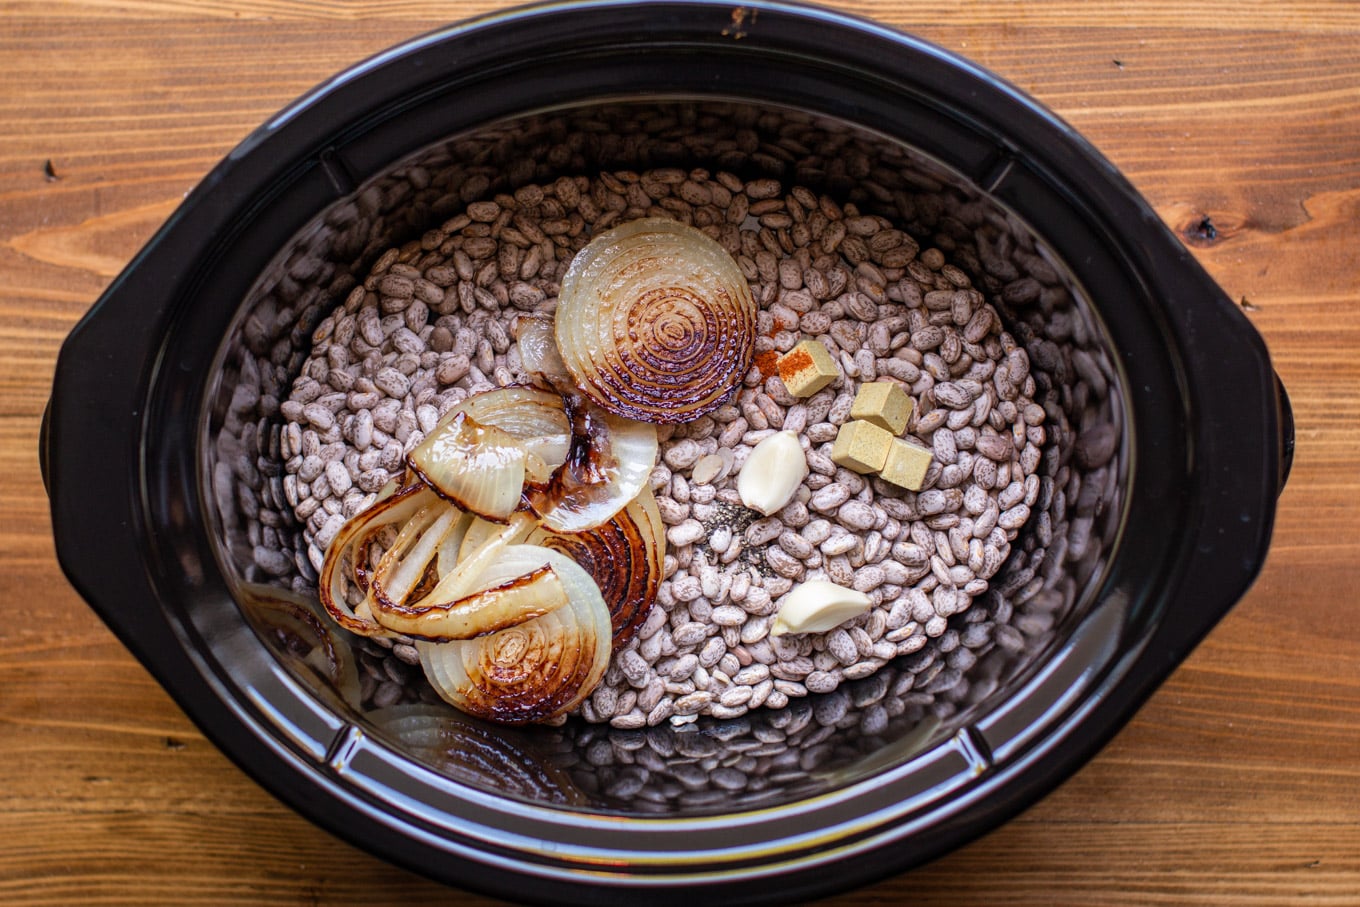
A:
(655, 321)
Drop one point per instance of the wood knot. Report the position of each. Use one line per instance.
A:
(1203, 229)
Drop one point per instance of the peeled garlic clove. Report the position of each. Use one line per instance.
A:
(816, 606)
(772, 473)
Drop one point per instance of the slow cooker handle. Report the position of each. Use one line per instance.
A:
(1244, 443)
(43, 452)
(1286, 433)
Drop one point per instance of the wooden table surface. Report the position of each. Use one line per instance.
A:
(1239, 783)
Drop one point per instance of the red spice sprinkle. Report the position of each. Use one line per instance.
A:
(794, 362)
(768, 363)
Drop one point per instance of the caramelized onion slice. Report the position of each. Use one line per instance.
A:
(537, 670)
(505, 604)
(461, 579)
(532, 416)
(655, 321)
(648, 517)
(480, 468)
(406, 562)
(349, 547)
(610, 461)
(480, 533)
(480, 453)
(623, 556)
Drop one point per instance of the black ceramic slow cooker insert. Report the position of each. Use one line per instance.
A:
(1168, 445)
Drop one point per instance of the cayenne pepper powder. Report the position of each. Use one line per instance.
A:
(793, 363)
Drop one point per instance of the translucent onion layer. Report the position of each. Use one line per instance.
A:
(478, 467)
(538, 350)
(480, 453)
(503, 605)
(346, 559)
(448, 603)
(609, 463)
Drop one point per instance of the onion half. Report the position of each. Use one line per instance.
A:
(655, 321)
(623, 556)
(536, 670)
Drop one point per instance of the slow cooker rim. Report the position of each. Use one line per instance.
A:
(280, 124)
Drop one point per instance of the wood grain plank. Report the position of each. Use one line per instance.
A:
(1295, 16)
(1238, 783)
(140, 851)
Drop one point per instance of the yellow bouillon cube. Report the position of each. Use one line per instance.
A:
(807, 368)
(861, 446)
(906, 464)
(884, 404)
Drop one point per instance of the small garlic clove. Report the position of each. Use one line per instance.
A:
(772, 473)
(816, 606)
